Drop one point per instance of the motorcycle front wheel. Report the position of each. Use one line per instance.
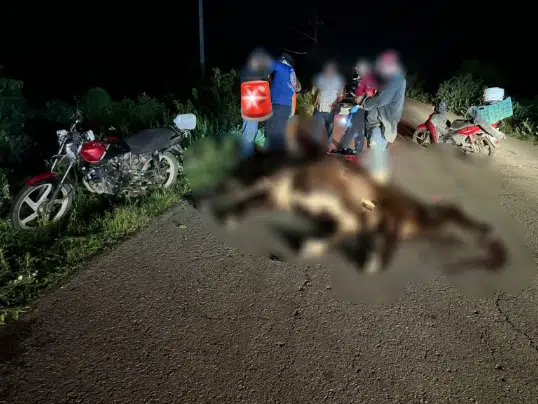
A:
(486, 146)
(28, 211)
(422, 137)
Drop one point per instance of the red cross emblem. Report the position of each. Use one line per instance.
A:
(256, 101)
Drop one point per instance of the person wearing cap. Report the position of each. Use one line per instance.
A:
(385, 109)
(284, 85)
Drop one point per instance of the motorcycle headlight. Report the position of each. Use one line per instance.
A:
(343, 120)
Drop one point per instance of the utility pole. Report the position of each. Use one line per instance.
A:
(317, 22)
(201, 29)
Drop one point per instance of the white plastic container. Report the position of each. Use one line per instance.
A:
(185, 121)
(493, 94)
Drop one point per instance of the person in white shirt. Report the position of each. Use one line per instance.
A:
(329, 91)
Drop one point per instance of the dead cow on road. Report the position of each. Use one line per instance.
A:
(332, 192)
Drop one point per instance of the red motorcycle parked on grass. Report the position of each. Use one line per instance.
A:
(463, 133)
(148, 159)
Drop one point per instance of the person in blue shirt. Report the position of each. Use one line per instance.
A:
(284, 85)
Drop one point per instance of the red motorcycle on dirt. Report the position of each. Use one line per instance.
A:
(466, 134)
(148, 159)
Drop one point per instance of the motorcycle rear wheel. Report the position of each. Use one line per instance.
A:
(485, 145)
(35, 197)
(172, 170)
(422, 137)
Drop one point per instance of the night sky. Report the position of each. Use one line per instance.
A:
(59, 52)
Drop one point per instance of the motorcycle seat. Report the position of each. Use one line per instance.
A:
(150, 140)
(458, 124)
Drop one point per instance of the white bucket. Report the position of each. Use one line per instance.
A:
(185, 121)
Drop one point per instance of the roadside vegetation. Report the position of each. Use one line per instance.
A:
(32, 263)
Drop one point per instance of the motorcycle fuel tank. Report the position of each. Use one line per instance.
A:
(93, 152)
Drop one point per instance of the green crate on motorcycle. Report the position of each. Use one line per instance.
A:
(495, 112)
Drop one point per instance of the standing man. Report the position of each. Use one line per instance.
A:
(384, 110)
(386, 107)
(367, 88)
(284, 85)
(329, 92)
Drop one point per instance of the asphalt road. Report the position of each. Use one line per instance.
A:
(174, 316)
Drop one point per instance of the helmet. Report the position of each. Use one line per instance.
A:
(286, 57)
(442, 107)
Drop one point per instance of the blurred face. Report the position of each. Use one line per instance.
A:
(388, 65)
(257, 60)
(388, 69)
(254, 63)
(363, 68)
(330, 70)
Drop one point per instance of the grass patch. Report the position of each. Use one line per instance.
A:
(33, 263)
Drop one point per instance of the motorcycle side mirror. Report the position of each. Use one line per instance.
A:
(76, 116)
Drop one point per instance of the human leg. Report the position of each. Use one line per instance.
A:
(359, 134)
(354, 133)
(329, 125)
(347, 137)
(377, 140)
(321, 119)
(249, 133)
(275, 127)
(359, 141)
(378, 161)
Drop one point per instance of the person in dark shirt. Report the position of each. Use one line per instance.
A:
(384, 111)
(386, 107)
(367, 87)
(259, 66)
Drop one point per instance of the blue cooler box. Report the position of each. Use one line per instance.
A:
(496, 112)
